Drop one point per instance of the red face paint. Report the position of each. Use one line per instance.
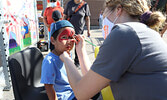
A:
(66, 34)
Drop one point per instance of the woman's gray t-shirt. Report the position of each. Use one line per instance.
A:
(134, 58)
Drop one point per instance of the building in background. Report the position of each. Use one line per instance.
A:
(95, 7)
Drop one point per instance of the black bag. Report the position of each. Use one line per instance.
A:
(43, 45)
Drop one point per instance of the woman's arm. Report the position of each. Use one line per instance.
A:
(84, 61)
(50, 92)
(91, 83)
(84, 87)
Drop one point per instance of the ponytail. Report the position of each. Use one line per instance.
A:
(154, 20)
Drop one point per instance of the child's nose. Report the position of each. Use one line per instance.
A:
(71, 39)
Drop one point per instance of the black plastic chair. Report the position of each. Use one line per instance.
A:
(25, 70)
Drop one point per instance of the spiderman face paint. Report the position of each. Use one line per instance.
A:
(66, 34)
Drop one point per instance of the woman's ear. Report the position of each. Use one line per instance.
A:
(119, 10)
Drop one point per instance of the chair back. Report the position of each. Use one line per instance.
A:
(25, 70)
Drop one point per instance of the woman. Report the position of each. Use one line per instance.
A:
(132, 59)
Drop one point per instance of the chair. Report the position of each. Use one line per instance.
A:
(25, 70)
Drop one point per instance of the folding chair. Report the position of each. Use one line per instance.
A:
(25, 70)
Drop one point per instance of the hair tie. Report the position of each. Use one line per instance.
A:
(145, 17)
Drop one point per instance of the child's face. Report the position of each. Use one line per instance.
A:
(65, 40)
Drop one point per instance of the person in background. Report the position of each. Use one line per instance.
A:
(56, 16)
(132, 59)
(100, 19)
(47, 15)
(78, 13)
(53, 74)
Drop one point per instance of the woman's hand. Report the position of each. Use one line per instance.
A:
(64, 55)
(80, 43)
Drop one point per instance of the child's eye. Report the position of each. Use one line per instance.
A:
(64, 37)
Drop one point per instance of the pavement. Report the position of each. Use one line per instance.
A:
(95, 38)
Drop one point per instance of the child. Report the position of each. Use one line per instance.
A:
(56, 16)
(53, 71)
